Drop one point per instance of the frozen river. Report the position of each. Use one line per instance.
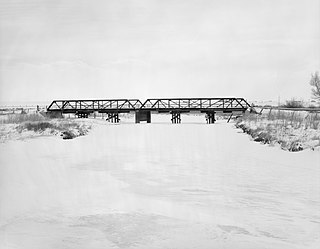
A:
(186, 186)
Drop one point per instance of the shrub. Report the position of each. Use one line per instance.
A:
(315, 83)
(293, 104)
(37, 126)
(312, 106)
(295, 146)
(54, 115)
(68, 135)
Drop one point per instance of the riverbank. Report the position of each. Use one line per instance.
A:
(289, 130)
(24, 126)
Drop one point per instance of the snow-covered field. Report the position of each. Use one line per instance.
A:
(158, 185)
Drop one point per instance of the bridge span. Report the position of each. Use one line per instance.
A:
(175, 106)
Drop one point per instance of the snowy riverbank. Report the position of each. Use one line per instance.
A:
(290, 131)
(157, 185)
(26, 126)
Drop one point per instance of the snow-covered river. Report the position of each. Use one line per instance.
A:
(186, 186)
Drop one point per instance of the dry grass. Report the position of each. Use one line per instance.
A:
(37, 125)
(61, 126)
(293, 130)
(44, 125)
(281, 119)
(20, 118)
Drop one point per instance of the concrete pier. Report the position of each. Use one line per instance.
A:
(141, 115)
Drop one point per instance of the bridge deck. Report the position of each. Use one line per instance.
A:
(160, 105)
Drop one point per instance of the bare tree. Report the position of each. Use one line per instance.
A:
(315, 83)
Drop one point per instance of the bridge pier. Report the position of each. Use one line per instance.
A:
(82, 114)
(210, 117)
(143, 116)
(113, 117)
(176, 117)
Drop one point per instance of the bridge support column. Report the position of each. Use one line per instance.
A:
(176, 117)
(113, 117)
(82, 114)
(143, 116)
(210, 117)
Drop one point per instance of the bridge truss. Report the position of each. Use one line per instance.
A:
(89, 106)
(176, 106)
(196, 104)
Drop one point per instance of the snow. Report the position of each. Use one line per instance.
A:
(158, 185)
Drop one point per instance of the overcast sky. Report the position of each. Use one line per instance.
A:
(256, 49)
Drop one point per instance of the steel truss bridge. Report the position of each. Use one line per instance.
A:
(175, 106)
